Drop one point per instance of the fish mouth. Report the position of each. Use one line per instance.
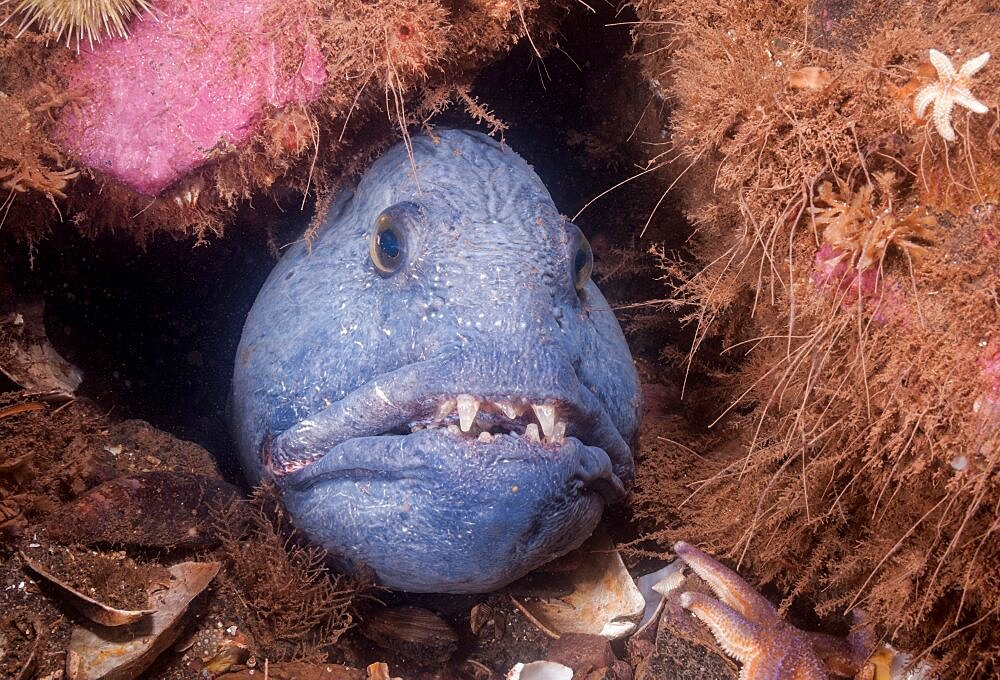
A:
(555, 420)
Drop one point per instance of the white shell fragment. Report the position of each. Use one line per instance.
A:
(604, 599)
(895, 665)
(540, 670)
(124, 652)
(654, 588)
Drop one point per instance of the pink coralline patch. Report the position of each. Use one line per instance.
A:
(881, 298)
(186, 85)
(989, 401)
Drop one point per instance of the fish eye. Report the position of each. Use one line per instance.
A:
(583, 263)
(387, 246)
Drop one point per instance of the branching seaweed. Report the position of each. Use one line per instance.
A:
(851, 465)
(294, 603)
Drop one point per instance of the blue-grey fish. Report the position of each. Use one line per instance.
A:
(434, 384)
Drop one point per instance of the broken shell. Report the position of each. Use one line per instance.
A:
(98, 612)
(125, 652)
(232, 652)
(654, 588)
(603, 598)
(890, 664)
(32, 362)
(540, 670)
(484, 616)
(412, 632)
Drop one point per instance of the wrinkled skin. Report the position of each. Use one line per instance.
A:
(342, 372)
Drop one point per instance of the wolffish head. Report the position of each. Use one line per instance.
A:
(436, 385)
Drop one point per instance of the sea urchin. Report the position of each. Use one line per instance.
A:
(76, 19)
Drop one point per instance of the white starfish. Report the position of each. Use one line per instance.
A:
(952, 87)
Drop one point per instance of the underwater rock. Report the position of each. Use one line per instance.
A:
(581, 652)
(840, 284)
(150, 510)
(681, 648)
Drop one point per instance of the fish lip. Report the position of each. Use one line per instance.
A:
(376, 408)
(590, 465)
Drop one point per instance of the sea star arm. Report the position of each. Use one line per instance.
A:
(968, 101)
(942, 64)
(942, 117)
(840, 656)
(727, 585)
(738, 637)
(845, 656)
(924, 97)
(970, 67)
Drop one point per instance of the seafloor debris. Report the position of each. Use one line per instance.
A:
(601, 599)
(412, 632)
(678, 643)
(26, 355)
(33, 632)
(96, 611)
(299, 670)
(125, 652)
(151, 509)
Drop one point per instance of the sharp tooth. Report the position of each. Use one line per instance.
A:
(531, 433)
(546, 414)
(507, 409)
(445, 409)
(485, 437)
(453, 429)
(468, 407)
(558, 433)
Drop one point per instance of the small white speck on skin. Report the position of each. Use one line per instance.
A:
(382, 395)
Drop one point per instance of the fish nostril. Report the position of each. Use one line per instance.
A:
(557, 314)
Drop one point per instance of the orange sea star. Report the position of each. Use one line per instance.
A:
(748, 628)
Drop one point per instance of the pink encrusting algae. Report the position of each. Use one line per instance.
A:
(185, 87)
